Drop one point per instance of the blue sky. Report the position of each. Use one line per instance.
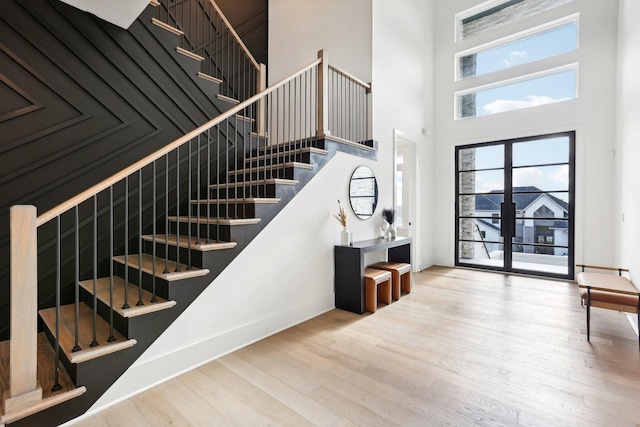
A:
(538, 91)
(530, 154)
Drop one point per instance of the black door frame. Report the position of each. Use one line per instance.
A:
(508, 208)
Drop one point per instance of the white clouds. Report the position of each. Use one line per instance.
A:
(515, 57)
(561, 176)
(527, 177)
(500, 105)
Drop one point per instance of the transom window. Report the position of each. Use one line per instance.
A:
(495, 13)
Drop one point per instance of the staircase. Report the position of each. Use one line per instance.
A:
(131, 253)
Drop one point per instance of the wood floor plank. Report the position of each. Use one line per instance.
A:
(464, 348)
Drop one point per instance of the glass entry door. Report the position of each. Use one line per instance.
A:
(514, 205)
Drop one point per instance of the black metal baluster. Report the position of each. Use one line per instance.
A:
(177, 210)
(126, 286)
(207, 181)
(198, 197)
(56, 375)
(219, 186)
(226, 198)
(76, 346)
(166, 212)
(111, 331)
(126, 243)
(189, 206)
(95, 343)
(154, 229)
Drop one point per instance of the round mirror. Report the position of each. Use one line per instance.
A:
(363, 192)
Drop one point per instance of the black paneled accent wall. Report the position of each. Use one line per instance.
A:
(80, 99)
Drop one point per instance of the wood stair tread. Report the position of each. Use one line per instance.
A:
(189, 54)
(228, 99)
(148, 263)
(280, 181)
(254, 200)
(216, 221)
(167, 27)
(103, 285)
(287, 152)
(46, 366)
(209, 77)
(186, 242)
(269, 167)
(85, 333)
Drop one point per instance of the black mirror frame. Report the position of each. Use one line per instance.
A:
(352, 196)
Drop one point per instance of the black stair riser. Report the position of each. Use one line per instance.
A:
(284, 173)
(263, 190)
(230, 210)
(283, 158)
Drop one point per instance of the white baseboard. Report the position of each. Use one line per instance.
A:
(633, 319)
(158, 370)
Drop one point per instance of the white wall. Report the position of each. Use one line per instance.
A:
(628, 147)
(264, 290)
(403, 99)
(591, 115)
(298, 29)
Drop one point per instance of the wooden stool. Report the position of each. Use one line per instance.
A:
(401, 276)
(377, 287)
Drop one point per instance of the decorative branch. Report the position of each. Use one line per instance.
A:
(342, 215)
(389, 215)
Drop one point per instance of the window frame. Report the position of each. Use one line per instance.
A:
(516, 37)
(574, 66)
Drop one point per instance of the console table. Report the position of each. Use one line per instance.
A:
(349, 268)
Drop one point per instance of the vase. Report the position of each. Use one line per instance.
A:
(392, 233)
(345, 237)
(384, 226)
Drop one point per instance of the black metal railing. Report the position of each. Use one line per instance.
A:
(151, 216)
(208, 33)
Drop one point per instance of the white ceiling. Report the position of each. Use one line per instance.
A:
(119, 12)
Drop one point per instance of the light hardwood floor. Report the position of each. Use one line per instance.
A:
(464, 348)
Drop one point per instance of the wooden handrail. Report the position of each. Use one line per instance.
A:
(351, 77)
(237, 37)
(92, 191)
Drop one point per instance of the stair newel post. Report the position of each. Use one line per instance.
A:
(24, 388)
(368, 113)
(323, 96)
(261, 114)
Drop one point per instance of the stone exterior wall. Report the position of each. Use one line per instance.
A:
(467, 204)
(508, 14)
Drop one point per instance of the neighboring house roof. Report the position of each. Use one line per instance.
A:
(488, 224)
(522, 196)
(562, 225)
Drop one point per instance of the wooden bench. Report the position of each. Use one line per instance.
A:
(400, 276)
(607, 291)
(377, 287)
